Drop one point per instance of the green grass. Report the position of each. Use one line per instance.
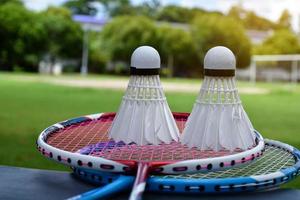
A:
(27, 107)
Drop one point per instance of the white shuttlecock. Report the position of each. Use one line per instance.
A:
(218, 120)
(144, 116)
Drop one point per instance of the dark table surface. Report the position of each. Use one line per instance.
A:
(23, 183)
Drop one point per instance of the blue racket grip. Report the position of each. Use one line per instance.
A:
(120, 184)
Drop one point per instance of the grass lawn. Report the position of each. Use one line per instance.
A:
(26, 108)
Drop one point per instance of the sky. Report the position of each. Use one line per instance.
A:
(270, 9)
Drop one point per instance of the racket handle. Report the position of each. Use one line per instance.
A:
(122, 183)
(140, 181)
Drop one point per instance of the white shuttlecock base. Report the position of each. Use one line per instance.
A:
(218, 120)
(144, 116)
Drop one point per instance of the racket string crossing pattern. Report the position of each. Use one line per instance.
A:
(273, 160)
(85, 137)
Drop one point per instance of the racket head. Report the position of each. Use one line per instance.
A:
(84, 142)
(279, 165)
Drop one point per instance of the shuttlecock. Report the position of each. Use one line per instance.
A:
(144, 116)
(218, 120)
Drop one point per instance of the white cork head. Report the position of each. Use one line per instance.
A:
(145, 57)
(219, 58)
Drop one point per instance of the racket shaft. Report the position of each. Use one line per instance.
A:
(121, 184)
(140, 181)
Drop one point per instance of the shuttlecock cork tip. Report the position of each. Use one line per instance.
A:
(219, 61)
(145, 57)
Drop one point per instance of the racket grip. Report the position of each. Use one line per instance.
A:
(140, 181)
(122, 183)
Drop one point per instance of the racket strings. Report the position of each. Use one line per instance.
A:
(91, 138)
(166, 152)
(273, 160)
(75, 137)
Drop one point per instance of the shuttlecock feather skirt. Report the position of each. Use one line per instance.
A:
(217, 127)
(218, 121)
(144, 120)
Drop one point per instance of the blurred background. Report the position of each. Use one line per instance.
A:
(60, 59)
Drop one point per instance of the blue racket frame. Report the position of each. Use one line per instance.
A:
(115, 182)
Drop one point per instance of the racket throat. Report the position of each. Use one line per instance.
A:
(140, 181)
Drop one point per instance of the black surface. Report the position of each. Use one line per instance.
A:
(145, 72)
(22, 183)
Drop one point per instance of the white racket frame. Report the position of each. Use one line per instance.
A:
(102, 164)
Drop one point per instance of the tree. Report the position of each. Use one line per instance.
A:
(249, 19)
(117, 7)
(18, 2)
(252, 21)
(284, 20)
(281, 42)
(147, 8)
(112, 7)
(97, 57)
(178, 51)
(82, 7)
(236, 12)
(174, 13)
(123, 34)
(63, 35)
(213, 30)
(179, 14)
(21, 37)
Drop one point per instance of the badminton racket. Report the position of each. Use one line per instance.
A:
(278, 165)
(83, 142)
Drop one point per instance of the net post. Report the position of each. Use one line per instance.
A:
(294, 71)
(253, 71)
(85, 53)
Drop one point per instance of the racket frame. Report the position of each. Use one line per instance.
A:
(205, 185)
(91, 162)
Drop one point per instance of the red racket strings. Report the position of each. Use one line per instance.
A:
(91, 138)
